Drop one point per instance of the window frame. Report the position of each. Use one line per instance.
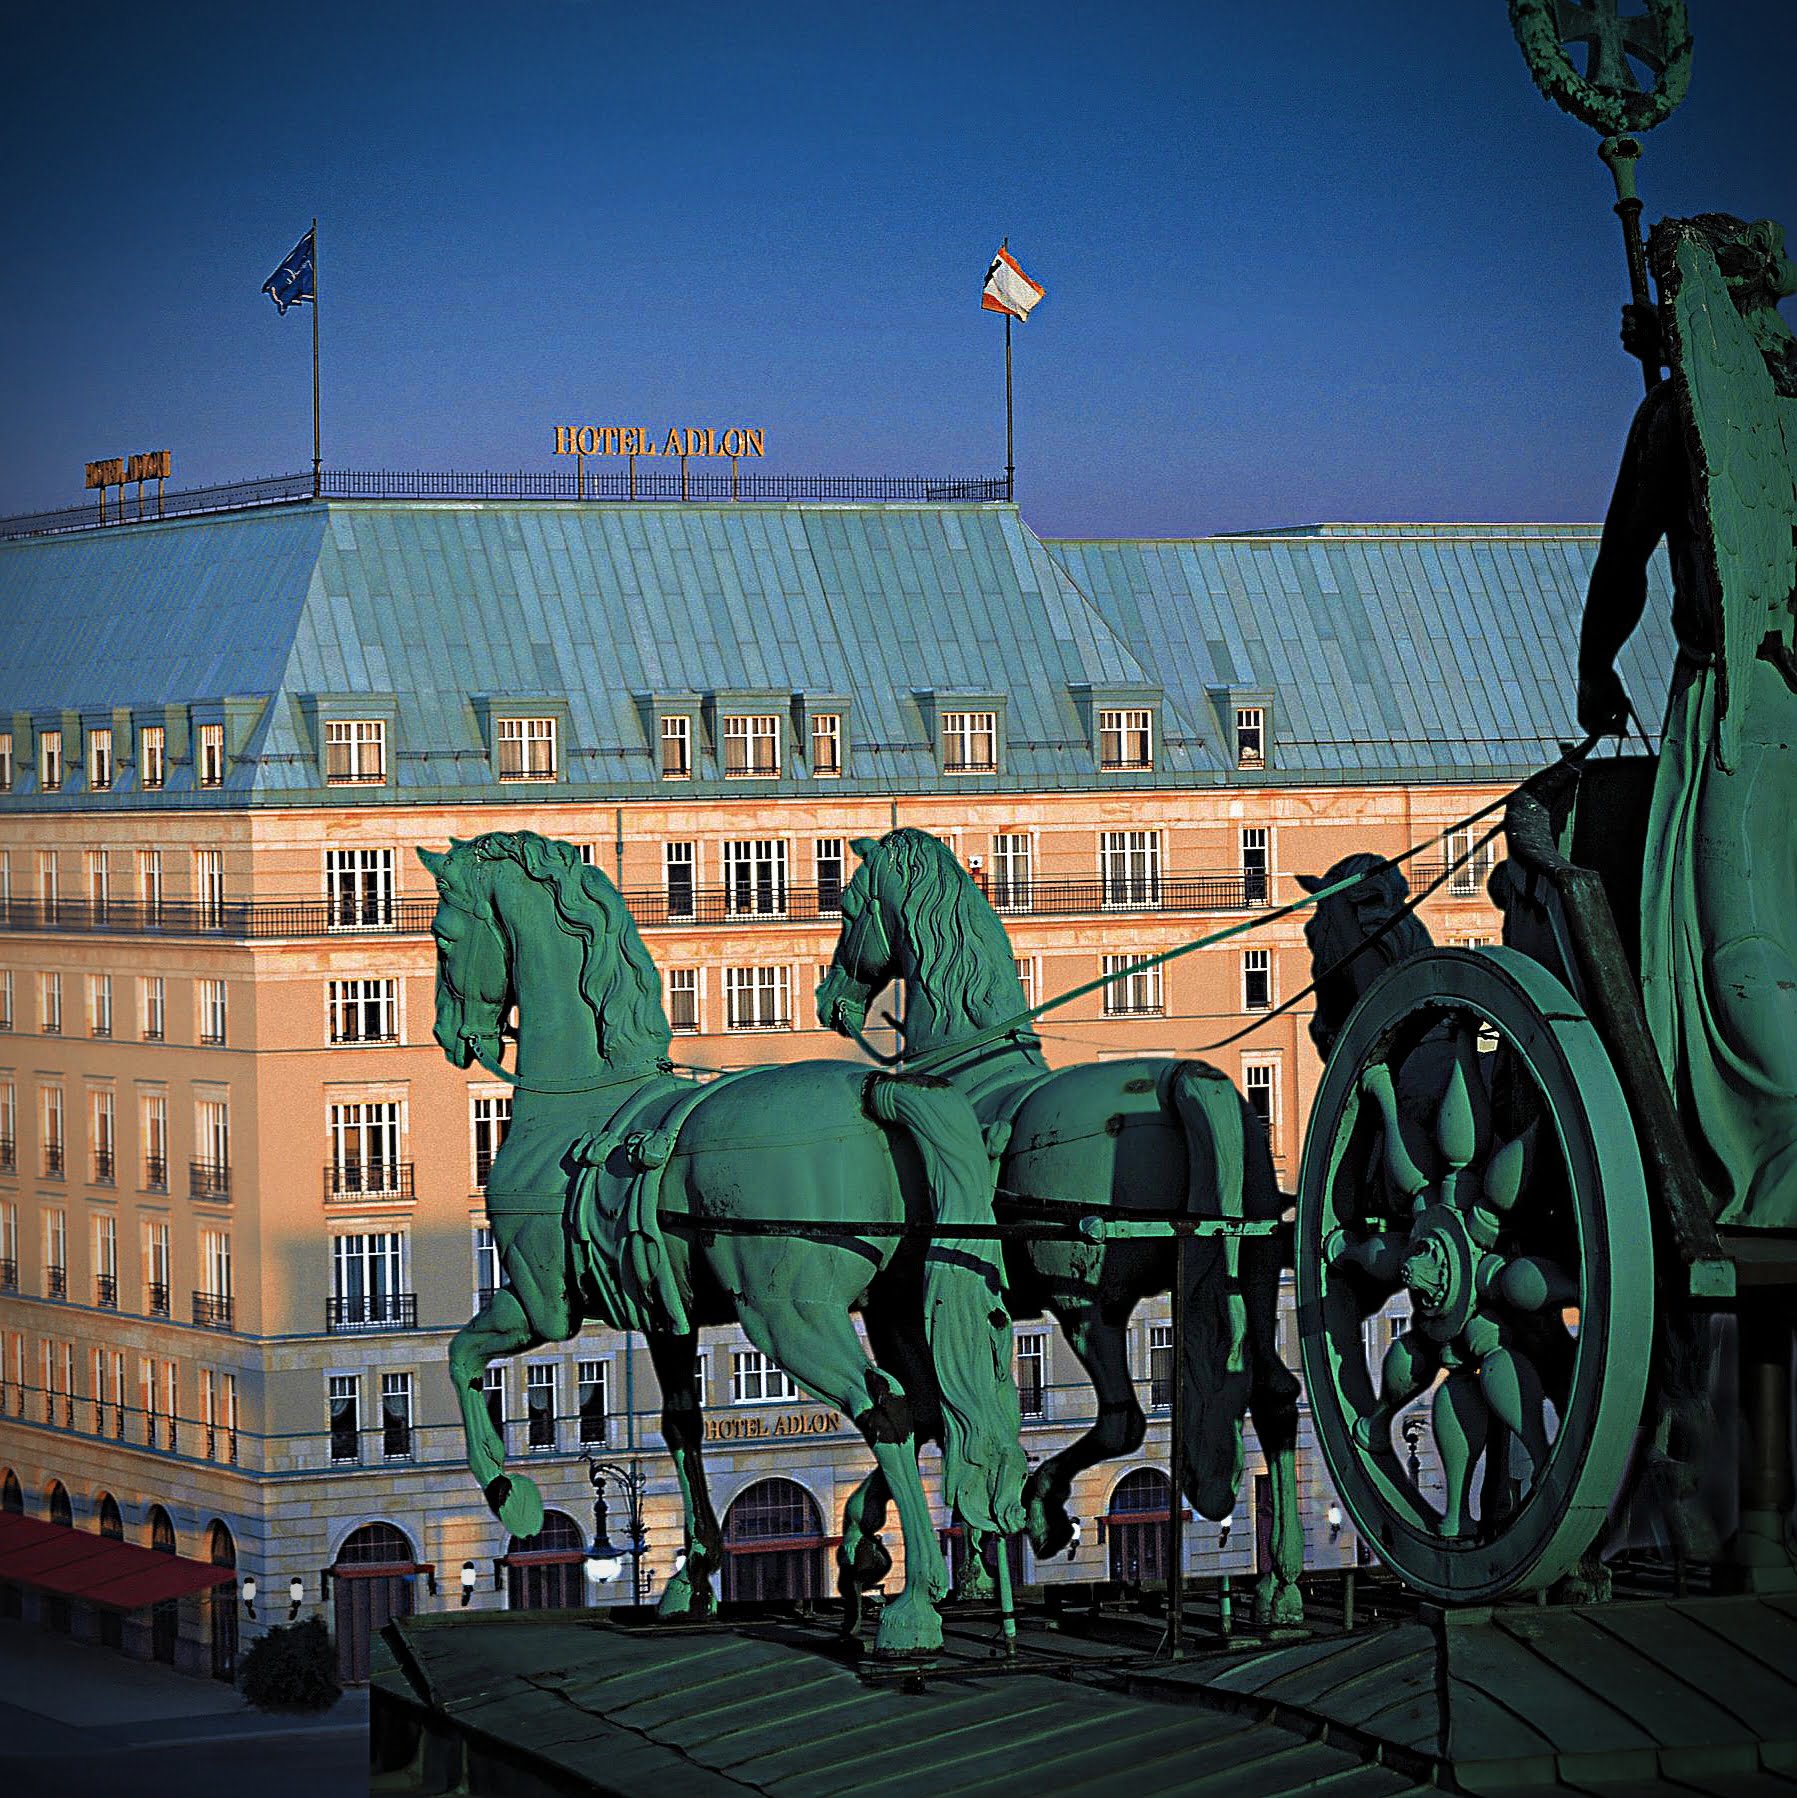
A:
(690, 987)
(152, 757)
(779, 985)
(209, 755)
(676, 728)
(526, 730)
(1131, 991)
(100, 765)
(1265, 971)
(962, 728)
(1120, 724)
(353, 737)
(745, 728)
(826, 729)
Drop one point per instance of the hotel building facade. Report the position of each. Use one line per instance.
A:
(240, 1186)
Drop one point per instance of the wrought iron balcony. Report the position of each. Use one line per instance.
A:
(53, 1160)
(156, 1297)
(155, 1173)
(56, 1282)
(106, 1291)
(367, 1180)
(9, 1155)
(9, 1275)
(103, 1167)
(213, 1310)
(208, 1180)
(371, 1311)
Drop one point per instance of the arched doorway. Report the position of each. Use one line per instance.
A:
(774, 1544)
(165, 1616)
(374, 1577)
(1141, 1507)
(546, 1572)
(110, 1522)
(221, 1604)
(12, 1498)
(56, 1605)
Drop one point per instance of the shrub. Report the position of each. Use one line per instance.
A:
(292, 1668)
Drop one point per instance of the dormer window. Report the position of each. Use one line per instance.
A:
(49, 761)
(355, 752)
(970, 742)
(5, 761)
(676, 746)
(1250, 736)
(751, 746)
(99, 760)
(826, 745)
(212, 755)
(152, 752)
(1126, 739)
(526, 748)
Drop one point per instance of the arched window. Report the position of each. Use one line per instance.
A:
(372, 1581)
(165, 1616)
(221, 1603)
(1141, 1506)
(62, 1513)
(774, 1544)
(12, 1494)
(546, 1572)
(110, 1520)
(162, 1531)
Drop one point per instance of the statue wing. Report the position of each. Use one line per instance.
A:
(1742, 434)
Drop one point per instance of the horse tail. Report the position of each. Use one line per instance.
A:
(1216, 1371)
(965, 1321)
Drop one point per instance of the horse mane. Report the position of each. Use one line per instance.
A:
(1336, 926)
(953, 930)
(618, 980)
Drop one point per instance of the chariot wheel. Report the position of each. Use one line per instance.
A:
(1471, 1157)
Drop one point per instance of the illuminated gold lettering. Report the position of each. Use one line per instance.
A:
(673, 444)
(564, 440)
(731, 443)
(753, 440)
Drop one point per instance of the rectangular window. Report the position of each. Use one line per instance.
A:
(1260, 1087)
(355, 752)
(6, 773)
(99, 760)
(212, 1148)
(539, 1404)
(1257, 979)
(755, 1380)
(487, 1270)
(215, 1263)
(49, 881)
(49, 1004)
(527, 749)
(49, 761)
(676, 748)
(1257, 864)
(50, 1125)
(102, 1123)
(826, 745)
(595, 1400)
(1126, 738)
(490, 1117)
(683, 999)
(56, 1253)
(156, 1267)
(757, 998)
(209, 887)
(1475, 859)
(149, 884)
(679, 864)
(9, 1132)
(363, 1011)
(751, 746)
(587, 855)
(106, 1261)
(755, 878)
(99, 885)
(1011, 871)
(212, 755)
(832, 867)
(152, 751)
(492, 1390)
(346, 1417)
(99, 1004)
(1160, 1365)
(368, 1278)
(970, 742)
(1132, 991)
(1250, 736)
(1032, 1369)
(364, 1140)
(1130, 864)
(211, 994)
(1029, 977)
(153, 1120)
(152, 999)
(359, 888)
(6, 1022)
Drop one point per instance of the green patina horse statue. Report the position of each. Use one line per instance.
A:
(1105, 1138)
(600, 1196)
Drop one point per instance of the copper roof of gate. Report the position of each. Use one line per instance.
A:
(1379, 652)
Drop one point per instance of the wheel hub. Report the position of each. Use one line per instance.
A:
(1438, 1271)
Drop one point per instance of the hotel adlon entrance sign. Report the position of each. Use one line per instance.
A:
(641, 440)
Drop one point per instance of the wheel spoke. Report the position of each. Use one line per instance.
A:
(1410, 1364)
(1512, 1388)
(1462, 1422)
(1537, 1283)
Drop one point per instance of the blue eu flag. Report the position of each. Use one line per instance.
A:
(295, 280)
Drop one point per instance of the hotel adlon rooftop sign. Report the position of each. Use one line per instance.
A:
(640, 440)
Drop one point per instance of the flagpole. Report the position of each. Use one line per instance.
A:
(317, 466)
(1010, 463)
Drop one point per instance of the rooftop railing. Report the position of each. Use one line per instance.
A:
(657, 479)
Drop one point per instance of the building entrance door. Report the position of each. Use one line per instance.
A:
(1141, 1507)
(165, 1617)
(773, 1544)
(221, 1605)
(373, 1582)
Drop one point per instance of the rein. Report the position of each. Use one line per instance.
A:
(642, 1071)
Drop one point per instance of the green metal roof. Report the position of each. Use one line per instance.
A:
(1382, 652)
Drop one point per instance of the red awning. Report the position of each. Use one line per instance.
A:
(75, 1564)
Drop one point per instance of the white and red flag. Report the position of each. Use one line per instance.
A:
(1008, 289)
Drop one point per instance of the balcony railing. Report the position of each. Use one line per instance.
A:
(372, 1311)
(106, 1291)
(53, 1160)
(367, 1180)
(156, 1297)
(208, 1180)
(155, 1173)
(56, 1282)
(103, 1166)
(9, 1155)
(9, 1276)
(213, 1310)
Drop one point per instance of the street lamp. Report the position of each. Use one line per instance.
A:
(1333, 1516)
(296, 1596)
(604, 1558)
(468, 1578)
(249, 1593)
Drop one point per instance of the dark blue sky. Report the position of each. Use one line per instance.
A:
(1307, 260)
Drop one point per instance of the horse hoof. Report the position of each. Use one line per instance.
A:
(908, 1626)
(516, 1503)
